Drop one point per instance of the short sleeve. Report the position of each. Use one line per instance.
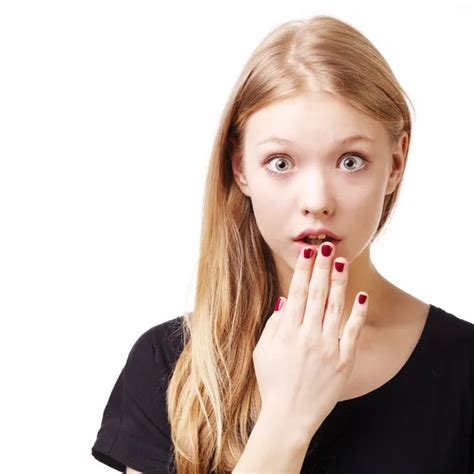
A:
(135, 430)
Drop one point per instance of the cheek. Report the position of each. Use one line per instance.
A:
(269, 208)
(367, 197)
(272, 210)
(368, 194)
(362, 209)
(267, 194)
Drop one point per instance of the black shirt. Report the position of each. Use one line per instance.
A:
(420, 422)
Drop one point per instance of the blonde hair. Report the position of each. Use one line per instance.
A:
(213, 398)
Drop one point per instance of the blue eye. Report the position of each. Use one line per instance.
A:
(348, 158)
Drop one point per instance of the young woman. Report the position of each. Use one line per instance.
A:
(351, 374)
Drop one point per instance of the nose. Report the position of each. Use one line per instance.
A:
(316, 192)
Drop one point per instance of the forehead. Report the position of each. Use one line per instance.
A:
(318, 117)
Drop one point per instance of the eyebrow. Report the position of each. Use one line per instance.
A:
(343, 141)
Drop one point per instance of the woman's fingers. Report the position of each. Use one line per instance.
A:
(298, 353)
(352, 330)
(336, 300)
(318, 290)
(296, 300)
(316, 300)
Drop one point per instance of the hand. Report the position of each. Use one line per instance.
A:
(300, 364)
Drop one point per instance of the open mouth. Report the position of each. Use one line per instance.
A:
(311, 241)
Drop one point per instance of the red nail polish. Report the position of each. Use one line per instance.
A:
(362, 299)
(326, 249)
(278, 304)
(308, 252)
(339, 266)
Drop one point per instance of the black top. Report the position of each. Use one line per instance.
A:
(420, 422)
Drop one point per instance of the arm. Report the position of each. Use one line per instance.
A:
(273, 446)
(132, 471)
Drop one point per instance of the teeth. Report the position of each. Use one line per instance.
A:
(314, 240)
(320, 236)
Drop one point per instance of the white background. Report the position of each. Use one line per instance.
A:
(108, 111)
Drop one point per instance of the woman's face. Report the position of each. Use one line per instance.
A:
(314, 179)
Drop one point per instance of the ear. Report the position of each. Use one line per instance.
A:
(399, 155)
(238, 170)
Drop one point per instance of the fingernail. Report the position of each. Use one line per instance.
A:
(308, 252)
(362, 299)
(339, 266)
(278, 304)
(326, 249)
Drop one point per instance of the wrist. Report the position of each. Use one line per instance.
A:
(295, 431)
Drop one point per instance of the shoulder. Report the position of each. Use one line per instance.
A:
(161, 344)
(166, 336)
(450, 326)
(135, 429)
(451, 334)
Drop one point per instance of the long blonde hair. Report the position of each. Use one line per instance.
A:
(213, 399)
